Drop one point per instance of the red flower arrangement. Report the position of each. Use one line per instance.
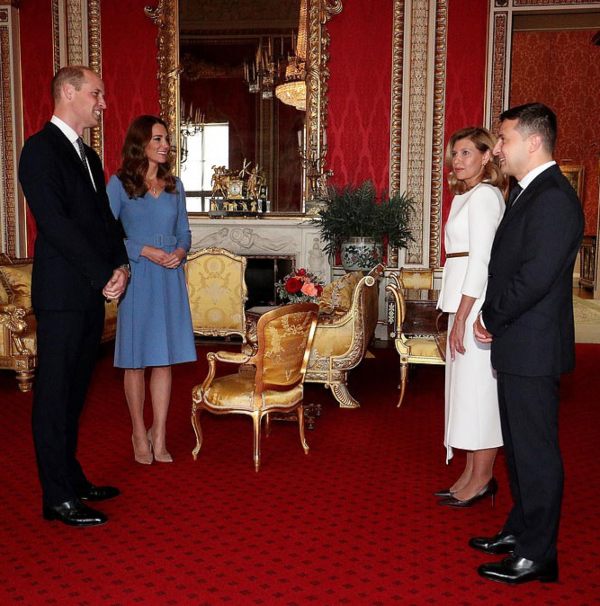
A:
(299, 286)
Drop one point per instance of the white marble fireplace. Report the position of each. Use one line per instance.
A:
(265, 237)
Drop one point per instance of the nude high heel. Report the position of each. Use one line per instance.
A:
(163, 457)
(144, 459)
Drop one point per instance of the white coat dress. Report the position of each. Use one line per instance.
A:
(472, 419)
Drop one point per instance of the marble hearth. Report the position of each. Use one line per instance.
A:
(265, 237)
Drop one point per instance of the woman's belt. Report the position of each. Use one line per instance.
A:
(163, 240)
(458, 254)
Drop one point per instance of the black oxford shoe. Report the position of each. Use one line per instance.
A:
(515, 570)
(98, 493)
(74, 513)
(503, 542)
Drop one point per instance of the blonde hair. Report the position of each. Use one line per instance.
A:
(483, 141)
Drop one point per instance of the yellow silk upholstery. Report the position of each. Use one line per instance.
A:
(217, 292)
(283, 340)
(18, 344)
(421, 349)
(16, 282)
(348, 312)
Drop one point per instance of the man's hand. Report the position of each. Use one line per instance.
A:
(481, 334)
(115, 287)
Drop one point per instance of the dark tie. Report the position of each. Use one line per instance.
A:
(514, 194)
(81, 151)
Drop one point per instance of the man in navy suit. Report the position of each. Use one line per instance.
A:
(79, 260)
(528, 318)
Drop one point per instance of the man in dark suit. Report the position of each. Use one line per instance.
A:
(528, 318)
(79, 260)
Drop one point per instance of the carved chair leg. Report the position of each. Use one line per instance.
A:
(403, 380)
(268, 424)
(342, 395)
(303, 441)
(256, 419)
(25, 380)
(197, 430)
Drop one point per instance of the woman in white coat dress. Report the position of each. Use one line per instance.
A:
(472, 416)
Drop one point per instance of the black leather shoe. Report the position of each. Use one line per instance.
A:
(98, 493)
(445, 492)
(503, 542)
(74, 513)
(515, 570)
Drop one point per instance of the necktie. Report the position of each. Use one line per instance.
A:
(81, 150)
(514, 194)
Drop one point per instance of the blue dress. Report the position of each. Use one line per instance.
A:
(154, 325)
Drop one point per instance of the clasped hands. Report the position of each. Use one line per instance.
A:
(115, 287)
(164, 259)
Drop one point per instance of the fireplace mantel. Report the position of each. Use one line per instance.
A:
(268, 237)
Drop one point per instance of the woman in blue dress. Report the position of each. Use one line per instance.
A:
(154, 326)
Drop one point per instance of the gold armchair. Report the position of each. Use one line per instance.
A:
(284, 337)
(217, 292)
(419, 344)
(348, 311)
(18, 345)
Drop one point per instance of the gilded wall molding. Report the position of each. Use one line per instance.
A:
(77, 40)
(165, 16)
(396, 109)
(437, 160)
(501, 15)
(12, 205)
(417, 119)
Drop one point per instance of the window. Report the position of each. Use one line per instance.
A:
(207, 148)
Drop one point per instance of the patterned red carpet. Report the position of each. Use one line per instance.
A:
(354, 522)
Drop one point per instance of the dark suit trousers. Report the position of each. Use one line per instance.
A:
(529, 417)
(67, 346)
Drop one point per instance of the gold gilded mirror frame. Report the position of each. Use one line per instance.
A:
(165, 17)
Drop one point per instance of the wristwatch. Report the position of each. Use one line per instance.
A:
(126, 268)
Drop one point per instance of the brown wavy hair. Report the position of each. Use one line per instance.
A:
(483, 141)
(134, 164)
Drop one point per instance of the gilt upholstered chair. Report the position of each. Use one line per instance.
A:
(217, 292)
(18, 345)
(284, 337)
(348, 312)
(413, 348)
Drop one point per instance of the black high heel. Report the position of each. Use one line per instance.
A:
(445, 492)
(489, 490)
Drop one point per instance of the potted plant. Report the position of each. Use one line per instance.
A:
(354, 223)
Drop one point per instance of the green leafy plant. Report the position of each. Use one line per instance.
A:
(355, 212)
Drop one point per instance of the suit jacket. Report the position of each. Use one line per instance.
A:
(529, 306)
(79, 243)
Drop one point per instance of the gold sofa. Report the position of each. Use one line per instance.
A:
(18, 346)
(348, 311)
(217, 292)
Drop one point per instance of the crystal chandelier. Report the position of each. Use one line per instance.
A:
(190, 124)
(293, 90)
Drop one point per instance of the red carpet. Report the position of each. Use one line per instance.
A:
(354, 522)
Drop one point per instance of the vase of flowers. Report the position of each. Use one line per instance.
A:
(299, 287)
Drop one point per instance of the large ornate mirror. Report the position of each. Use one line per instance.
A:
(219, 74)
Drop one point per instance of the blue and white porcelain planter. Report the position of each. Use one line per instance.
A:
(361, 254)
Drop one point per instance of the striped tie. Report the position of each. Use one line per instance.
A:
(81, 151)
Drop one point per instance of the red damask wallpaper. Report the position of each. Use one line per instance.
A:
(129, 70)
(465, 72)
(35, 21)
(562, 69)
(359, 93)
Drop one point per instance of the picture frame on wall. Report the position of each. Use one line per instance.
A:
(574, 173)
